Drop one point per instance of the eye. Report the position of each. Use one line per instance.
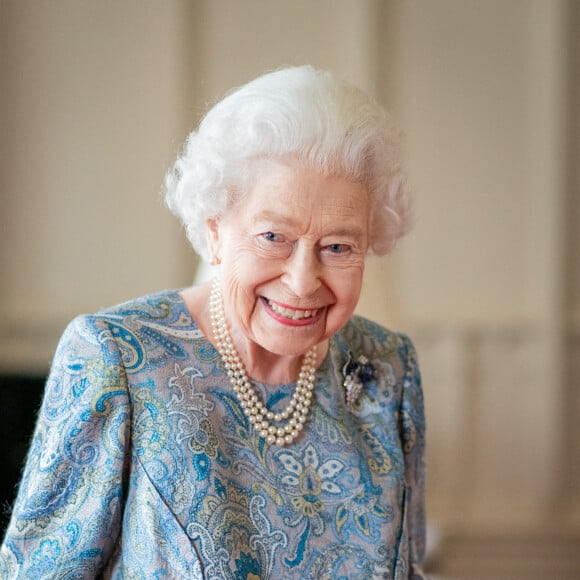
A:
(273, 237)
(338, 248)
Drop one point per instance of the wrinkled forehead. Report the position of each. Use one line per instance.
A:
(281, 172)
(291, 196)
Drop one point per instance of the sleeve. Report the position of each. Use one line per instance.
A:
(412, 425)
(67, 515)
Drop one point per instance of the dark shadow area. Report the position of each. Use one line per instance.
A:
(20, 398)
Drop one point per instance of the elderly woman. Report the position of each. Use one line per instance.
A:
(251, 426)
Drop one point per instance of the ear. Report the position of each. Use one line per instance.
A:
(213, 237)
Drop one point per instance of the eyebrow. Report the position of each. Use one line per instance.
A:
(274, 217)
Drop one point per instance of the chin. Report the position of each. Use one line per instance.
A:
(289, 347)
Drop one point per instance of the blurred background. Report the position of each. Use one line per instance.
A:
(96, 100)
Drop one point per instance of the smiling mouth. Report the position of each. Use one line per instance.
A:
(292, 313)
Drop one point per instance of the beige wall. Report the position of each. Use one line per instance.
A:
(483, 97)
(98, 96)
(93, 107)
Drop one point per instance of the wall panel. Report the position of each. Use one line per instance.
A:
(93, 107)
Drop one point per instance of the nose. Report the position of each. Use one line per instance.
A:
(302, 272)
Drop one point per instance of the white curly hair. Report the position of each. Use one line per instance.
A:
(300, 113)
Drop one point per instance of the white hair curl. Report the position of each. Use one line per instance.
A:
(300, 113)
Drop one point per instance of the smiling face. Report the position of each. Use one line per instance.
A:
(292, 254)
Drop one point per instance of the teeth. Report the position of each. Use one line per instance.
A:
(291, 314)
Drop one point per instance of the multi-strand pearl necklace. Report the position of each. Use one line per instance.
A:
(295, 413)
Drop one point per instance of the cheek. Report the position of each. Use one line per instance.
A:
(350, 282)
(347, 288)
(243, 271)
(243, 250)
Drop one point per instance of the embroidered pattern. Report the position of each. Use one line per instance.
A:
(143, 464)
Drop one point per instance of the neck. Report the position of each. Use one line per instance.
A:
(267, 367)
(259, 364)
(280, 426)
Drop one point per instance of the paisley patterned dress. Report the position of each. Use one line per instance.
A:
(143, 464)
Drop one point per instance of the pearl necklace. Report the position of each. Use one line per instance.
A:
(295, 413)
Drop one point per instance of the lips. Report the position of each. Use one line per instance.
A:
(292, 314)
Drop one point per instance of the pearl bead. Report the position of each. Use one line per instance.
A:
(254, 409)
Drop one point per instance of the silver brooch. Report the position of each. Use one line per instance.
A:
(356, 373)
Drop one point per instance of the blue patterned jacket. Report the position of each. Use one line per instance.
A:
(143, 464)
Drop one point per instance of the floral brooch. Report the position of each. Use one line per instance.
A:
(356, 373)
